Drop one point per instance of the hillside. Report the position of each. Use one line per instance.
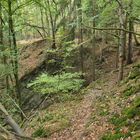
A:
(104, 110)
(69, 70)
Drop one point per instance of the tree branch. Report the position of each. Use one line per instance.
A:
(115, 29)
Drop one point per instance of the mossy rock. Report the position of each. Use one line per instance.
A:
(133, 110)
(135, 72)
(131, 89)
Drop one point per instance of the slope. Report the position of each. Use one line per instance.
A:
(101, 111)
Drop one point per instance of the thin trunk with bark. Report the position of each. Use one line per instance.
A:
(9, 120)
(122, 42)
(4, 59)
(93, 40)
(52, 25)
(15, 50)
(80, 34)
(129, 55)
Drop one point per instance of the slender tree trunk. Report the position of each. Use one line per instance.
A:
(42, 22)
(129, 55)
(117, 52)
(1, 26)
(47, 19)
(11, 122)
(125, 37)
(52, 25)
(15, 50)
(80, 34)
(137, 43)
(122, 42)
(3, 48)
(93, 40)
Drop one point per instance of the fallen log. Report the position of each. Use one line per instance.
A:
(11, 122)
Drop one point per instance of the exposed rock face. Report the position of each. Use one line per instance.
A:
(32, 57)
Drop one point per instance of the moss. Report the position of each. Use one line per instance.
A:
(64, 97)
(53, 121)
(104, 113)
(136, 137)
(134, 126)
(127, 123)
(118, 120)
(131, 89)
(115, 136)
(135, 72)
(48, 117)
(133, 110)
(136, 102)
(129, 117)
(41, 132)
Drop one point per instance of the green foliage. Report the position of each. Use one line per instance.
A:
(131, 89)
(107, 15)
(116, 136)
(118, 120)
(129, 117)
(131, 112)
(41, 132)
(133, 109)
(125, 119)
(68, 97)
(52, 120)
(135, 72)
(136, 137)
(63, 83)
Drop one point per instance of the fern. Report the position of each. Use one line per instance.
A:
(63, 83)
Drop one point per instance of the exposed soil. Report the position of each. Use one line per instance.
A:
(78, 121)
(32, 56)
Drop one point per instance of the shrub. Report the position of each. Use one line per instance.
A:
(63, 83)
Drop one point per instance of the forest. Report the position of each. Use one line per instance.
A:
(69, 69)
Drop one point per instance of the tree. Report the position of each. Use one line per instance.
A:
(13, 44)
(122, 16)
(93, 40)
(80, 33)
(129, 55)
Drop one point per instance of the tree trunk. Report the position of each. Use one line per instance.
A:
(125, 37)
(122, 42)
(11, 122)
(80, 34)
(129, 55)
(93, 40)
(15, 50)
(52, 25)
(42, 22)
(3, 48)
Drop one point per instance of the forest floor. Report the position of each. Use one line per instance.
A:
(83, 125)
(85, 116)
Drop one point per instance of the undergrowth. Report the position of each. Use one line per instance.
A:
(127, 123)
